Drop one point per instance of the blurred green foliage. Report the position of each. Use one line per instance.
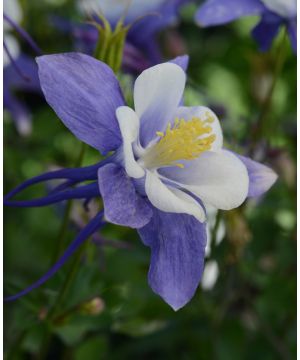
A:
(251, 310)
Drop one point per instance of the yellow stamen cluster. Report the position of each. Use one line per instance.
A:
(186, 140)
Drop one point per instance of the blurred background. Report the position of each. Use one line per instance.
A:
(246, 305)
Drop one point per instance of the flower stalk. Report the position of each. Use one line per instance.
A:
(66, 219)
(110, 45)
(263, 120)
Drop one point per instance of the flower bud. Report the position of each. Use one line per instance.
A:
(93, 307)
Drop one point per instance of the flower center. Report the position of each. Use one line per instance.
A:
(186, 140)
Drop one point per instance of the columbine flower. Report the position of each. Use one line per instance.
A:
(168, 164)
(274, 14)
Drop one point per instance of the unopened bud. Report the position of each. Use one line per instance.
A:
(93, 307)
(111, 42)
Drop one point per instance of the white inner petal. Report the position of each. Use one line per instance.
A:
(129, 126)
(157, 93)
(171, 200)
(219, 179)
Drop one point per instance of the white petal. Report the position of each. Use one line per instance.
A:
(129, 126)
(171, 200)
(210, 275)
(157, 93)
(219, 179)
(285, 8)
(202, 112)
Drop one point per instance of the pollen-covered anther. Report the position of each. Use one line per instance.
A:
(186, 140)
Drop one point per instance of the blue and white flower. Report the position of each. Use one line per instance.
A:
(168, 163)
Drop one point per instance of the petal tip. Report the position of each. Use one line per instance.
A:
(177, 302)
(177, 307)
(268, 179)
(182, 61)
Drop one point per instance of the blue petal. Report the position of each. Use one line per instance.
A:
(261, 177)
(150, 48)
(142, 33)
(122, 204)
(134, 61)
(177, 244)
(160, 18)
(85, 94)
(81, 192)
(217, 12)
(93, 225)
(266, 30)
(182, 61)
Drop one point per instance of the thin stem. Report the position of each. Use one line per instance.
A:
(68, 281)
(14, 353)
(66, 285)
(45, 345)
(79, 160)
(94, 225)
(60, 246)
(14, 64)
(262, 121)
(24, 34)
(67, 213)
(62, 231)
(275, 340)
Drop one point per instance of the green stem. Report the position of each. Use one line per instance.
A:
(67, 283)
(69, 278)
(262, 121)
(110, 44)
(60, 298)
(62, 231)
(105, 34)
(45, 346)
(15, 350)
(67, 213)
(119, 53)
